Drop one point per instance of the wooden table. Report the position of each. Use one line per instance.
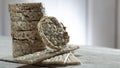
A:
(90, 57)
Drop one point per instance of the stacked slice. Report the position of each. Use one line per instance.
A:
(24, 19)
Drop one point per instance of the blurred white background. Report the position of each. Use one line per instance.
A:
(89, 22)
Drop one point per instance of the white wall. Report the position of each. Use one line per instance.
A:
(102, 22)
(1, 16)
(71, 12)
(118, 25)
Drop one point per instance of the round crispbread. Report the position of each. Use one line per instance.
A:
(53, 33)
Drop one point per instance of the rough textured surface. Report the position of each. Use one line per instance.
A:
(23, 47)
(29, 16)
(26, 42)
(25, 34)
(26, 11)
(53, 33)
(21, 7)
(24, 25)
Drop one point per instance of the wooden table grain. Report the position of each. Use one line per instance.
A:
(89, 56)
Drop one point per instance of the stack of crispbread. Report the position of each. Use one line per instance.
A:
(24, 19)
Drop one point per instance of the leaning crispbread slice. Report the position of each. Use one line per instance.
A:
(53, 33)
(64, 59)
(43, 55)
